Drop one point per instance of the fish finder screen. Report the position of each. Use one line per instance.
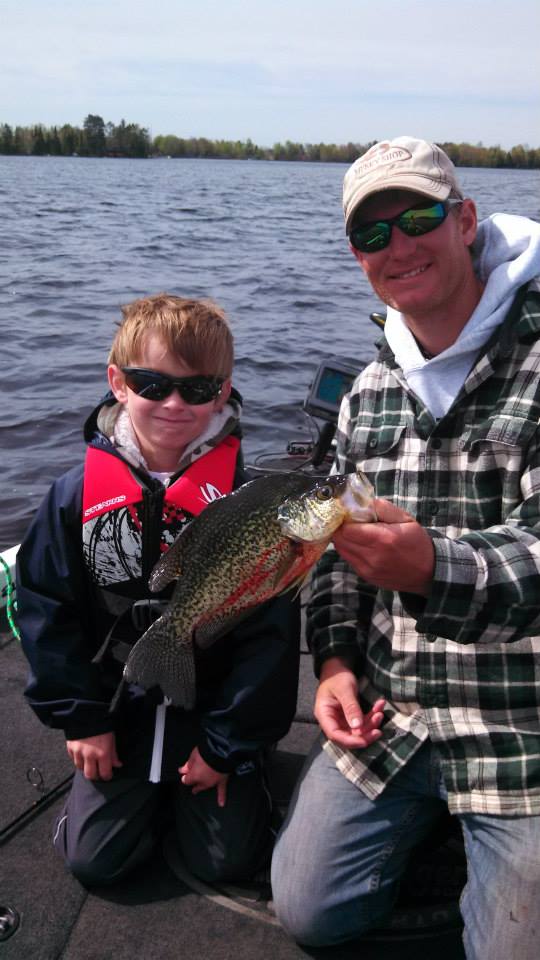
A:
(332, 381)
(333, 386)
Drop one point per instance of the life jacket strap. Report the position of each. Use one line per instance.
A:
(145, 612)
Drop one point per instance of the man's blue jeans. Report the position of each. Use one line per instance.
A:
(339, 858)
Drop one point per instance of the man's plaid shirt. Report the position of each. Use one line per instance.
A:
(461, 668)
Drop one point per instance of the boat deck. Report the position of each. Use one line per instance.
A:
(159, 912)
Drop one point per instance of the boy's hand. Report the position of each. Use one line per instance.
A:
(337, 709)
(197, 774)
(95, 756)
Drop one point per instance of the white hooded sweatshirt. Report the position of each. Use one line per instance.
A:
(506, 255)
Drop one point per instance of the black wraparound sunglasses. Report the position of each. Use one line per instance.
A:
(153, 385)
(414, 222)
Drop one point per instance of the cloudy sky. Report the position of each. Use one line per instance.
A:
(305, 70)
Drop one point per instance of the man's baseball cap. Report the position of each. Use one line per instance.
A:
(400, 164)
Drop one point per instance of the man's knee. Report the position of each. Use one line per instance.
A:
(314, 925)
(311, 913)
(306, 926)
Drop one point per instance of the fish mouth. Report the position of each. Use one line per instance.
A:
(357, 498)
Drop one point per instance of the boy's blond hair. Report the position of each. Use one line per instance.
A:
(196, 330)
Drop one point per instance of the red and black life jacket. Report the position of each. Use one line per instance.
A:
(123, 520)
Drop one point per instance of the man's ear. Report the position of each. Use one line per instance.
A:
(468, 220)
(224, 395)
(117, 382)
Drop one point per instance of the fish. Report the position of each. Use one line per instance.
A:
(240, 551)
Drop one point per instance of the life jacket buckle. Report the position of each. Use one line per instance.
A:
(145, 612)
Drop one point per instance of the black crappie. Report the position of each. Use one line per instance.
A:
(232, 557)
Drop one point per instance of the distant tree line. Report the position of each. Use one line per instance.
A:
(94, 139)
(99, 139)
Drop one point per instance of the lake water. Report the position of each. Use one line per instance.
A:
(264, 239)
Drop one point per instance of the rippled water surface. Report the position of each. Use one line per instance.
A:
(265, 240)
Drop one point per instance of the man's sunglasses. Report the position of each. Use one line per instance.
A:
(415, 222)
(157, 386)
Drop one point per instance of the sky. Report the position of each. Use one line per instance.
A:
(311, 71)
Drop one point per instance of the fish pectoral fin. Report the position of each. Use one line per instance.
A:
(205, 634)
(305, 556)
(300, 581)
(161, 659)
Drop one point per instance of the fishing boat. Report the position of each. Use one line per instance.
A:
(161, 912)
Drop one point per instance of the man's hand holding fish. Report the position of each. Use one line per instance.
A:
(395, 554)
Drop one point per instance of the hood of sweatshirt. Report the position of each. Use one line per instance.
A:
(506, 255)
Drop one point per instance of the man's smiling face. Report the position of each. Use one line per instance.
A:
(420, 275)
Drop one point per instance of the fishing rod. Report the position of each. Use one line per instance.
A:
(9, 916)
(35, 777)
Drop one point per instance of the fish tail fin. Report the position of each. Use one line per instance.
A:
(159, 659)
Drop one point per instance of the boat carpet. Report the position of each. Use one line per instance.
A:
(157, 912)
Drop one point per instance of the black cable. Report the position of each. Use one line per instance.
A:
(7, 832)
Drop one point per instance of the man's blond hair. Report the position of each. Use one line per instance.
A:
(196, 330)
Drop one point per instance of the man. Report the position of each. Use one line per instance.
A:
(431, 615)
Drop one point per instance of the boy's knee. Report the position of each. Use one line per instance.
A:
(229, 866)
(93, 873)
(93, 868)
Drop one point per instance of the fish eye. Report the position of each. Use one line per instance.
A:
(325, 493)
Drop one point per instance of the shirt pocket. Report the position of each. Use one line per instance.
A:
(496, 455)
(381, 452)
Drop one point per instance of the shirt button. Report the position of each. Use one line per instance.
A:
(436, 443)
(433, 508)
(372, 442)
(431, 636)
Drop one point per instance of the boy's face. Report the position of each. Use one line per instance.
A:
(164, 428)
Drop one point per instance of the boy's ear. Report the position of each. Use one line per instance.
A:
(117, 382)
(224, 395)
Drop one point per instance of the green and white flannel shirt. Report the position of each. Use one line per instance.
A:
(461, 667)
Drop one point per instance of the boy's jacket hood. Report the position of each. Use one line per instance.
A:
(110, 423)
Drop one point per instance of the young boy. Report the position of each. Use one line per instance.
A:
(162, 444)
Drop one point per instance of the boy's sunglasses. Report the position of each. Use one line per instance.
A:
(157, 386)
(420, 219)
